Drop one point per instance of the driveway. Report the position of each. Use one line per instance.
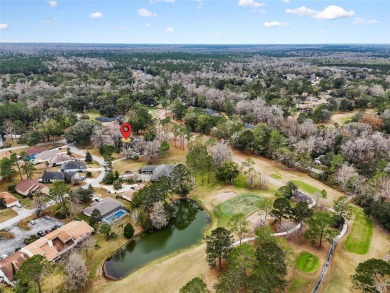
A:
(24, 213)
(20, 211)
(94, 182)
(42, 224)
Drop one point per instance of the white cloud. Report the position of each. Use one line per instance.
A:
(329, 13)
(275, 23)
(286, 1)
(200, 4)
(3, 26)
(169, 30)
(51, 20)
(302, 11)
(148, 25)
(333, 12)
(250, 3)
(52, 3)
(145, 13)
(96, 14)
(359, 20)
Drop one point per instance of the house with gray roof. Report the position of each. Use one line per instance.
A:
(157, 171)
(44, 156)
(73, 166)
(148, 169)
(161, 171)
(50, 176)
(105, 206)
(59, 159)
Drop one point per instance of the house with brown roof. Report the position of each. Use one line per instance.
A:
(10, 265)
(53, 245)
(9, 199)
(28, 187)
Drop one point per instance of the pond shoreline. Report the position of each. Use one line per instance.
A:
(200, 208)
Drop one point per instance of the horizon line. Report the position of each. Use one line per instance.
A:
(186, 44)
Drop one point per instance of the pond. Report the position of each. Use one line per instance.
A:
(186, 228)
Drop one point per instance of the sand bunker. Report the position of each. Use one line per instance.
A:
(226, 195)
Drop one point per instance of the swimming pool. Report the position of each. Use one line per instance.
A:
(115, 216)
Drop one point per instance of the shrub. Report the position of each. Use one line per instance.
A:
(117, 184)
(11, 188)
(128, 231)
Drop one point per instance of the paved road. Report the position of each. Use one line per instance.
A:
(96, 181)
(26, 146)
(13, 148)
(21, 216)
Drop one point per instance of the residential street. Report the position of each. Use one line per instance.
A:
(21, 216)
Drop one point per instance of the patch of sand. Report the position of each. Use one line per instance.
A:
(223, 196)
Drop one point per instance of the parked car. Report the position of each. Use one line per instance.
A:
(32, 222)
(19, 205)
(3, 256)
(41, 233)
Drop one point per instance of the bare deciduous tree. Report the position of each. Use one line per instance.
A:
(39, 203)
(76, 273)
(221, 153)
(344, 174)
(158, 215)
(152, 151)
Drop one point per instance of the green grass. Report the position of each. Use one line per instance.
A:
(6, 214)
(241, 181)
(93, 114)
(276, 176)
(297, 284)
(307, 262)
(359, 239)
(306, 187)
(245, 203)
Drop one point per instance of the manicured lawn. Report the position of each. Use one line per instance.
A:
(359, 239)
(7, 214)
(245, 203)
(276, 176)
(306, 187)
(307, 262)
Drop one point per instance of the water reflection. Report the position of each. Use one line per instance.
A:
(185, 229)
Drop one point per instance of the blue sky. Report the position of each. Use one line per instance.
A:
(195, 21)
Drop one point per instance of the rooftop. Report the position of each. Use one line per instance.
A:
(46, 155)
(73, 165)
(12, 263)
(104, 206)
(29, 186)
(53, 244)
(59, 158)
(8, 198)
(162, 170)
(52, 175)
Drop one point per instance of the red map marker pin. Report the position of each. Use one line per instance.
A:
(126, 130)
